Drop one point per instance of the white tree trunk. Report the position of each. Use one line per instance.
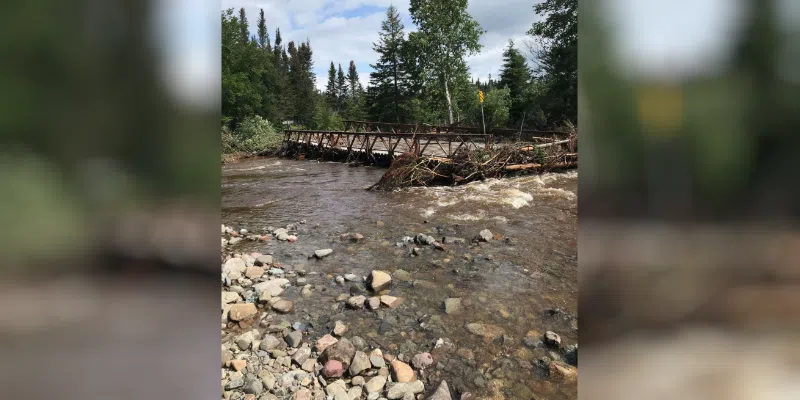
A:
(449, 102)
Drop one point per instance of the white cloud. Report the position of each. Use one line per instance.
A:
(341, 30)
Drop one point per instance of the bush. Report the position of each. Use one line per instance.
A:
(255, 136)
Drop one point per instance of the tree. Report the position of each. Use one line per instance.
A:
(556, 53)
(515, 76)
(341, 89)
(263, 35)
(330, 90)
(244, 30)
(355, 100)
(446, 34)
(390, 78)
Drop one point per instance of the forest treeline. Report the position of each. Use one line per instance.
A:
(419, 77)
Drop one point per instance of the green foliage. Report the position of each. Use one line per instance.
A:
(446, 34)
(556, 51)
(516, 77)
(255, 135)
(326, 119)
(390, 79)
(261, 79)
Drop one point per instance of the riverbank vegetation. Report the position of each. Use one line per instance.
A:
(419, 77)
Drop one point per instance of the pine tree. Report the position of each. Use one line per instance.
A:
(388, 100)
(516, 76)
(330, 90)
(263, 35)
(352, 78)
(341, 90)
(244, 30)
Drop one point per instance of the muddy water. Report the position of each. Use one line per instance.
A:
(525, 282)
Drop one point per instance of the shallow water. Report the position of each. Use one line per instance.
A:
(511, 284)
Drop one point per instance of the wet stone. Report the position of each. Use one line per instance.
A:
(552, 339)
(356, 302)
(452, 306)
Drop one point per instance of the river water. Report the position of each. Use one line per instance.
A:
(525, 281)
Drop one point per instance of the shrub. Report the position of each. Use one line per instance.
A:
(256, 136)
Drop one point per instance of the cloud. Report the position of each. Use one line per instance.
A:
(344, 30)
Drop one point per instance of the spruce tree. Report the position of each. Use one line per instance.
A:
(244, 30)
(330, 90)
(516, 76)
(263, 35)
(341, 90)
(388, 99)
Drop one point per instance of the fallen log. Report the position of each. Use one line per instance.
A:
(521, 167)
(541, 146)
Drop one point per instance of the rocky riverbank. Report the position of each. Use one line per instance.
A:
(272, 349)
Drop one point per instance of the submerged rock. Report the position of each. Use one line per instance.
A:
(323, 253)
(485, 330)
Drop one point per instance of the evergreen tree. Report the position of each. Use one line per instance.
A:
(355, 100)
(390, 78)
(244, 29)
(330, 89)
(515, 76)
(341, 90)
(263, 35)
(557, 55)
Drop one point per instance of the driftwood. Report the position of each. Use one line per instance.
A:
(410, 169)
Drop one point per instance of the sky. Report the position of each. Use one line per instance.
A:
(654, 38)
(344, 30)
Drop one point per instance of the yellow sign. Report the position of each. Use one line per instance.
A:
(480, 95)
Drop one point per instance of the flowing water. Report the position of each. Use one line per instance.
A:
(525, 281)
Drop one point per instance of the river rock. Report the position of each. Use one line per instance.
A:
(269, 342)
(351, 277)
(301, 355)
(238, 365)
(234, 240)
(333, 369)
(379, 280)
(323, 253)
(263, 260)
(402, 372)
(254, 272)
(309, 365)
(552, 339)
(375, 385)
(339, 328)
(356, 237)
(438, 246)
(391, 301)
(374, 303)
(230, 297)
(283, 306)
(325, 342)
(235, 264)
(254, 387)
(563, 372)
(303, 394)
(452, 306)
(235, 381)
(400, 390)
(356, 302)
(244, 340)
(340, 280)
(282, 236)
(424, 239)
(342, 351)
(416, 251)
(294, 338)
(377, 361)
(402, 275)
(485, 235)
(485, 330)
(441, 393)
(571, 354)
(242, 312)
(360, 363)
(273, 288)
(422, 360)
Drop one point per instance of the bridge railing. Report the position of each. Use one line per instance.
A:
(430, 144)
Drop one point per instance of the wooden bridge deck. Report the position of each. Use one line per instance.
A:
(389, 144)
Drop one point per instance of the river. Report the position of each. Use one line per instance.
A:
(525, 281)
